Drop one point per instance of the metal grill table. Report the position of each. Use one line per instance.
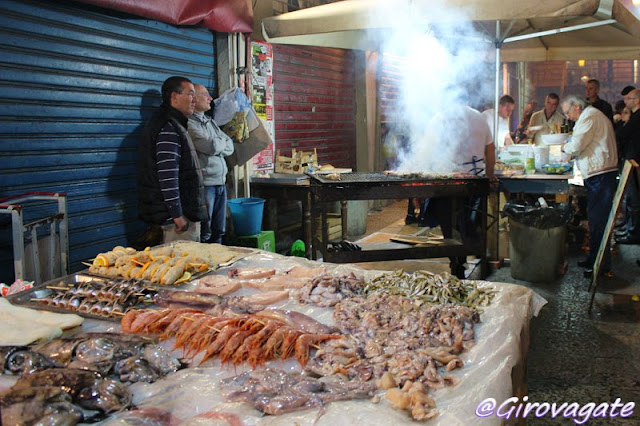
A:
(379, 186)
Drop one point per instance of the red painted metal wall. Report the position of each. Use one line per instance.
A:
(390, 71)
(314, 102)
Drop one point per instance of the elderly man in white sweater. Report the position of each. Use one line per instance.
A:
(593, 143)
(212, 145)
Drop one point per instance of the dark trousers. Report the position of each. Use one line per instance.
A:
(600, 190)
(466, 222)
(632, 207)
(216, 200)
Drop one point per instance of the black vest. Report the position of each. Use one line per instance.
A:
(151, 208)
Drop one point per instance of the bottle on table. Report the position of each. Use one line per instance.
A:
(530, 160)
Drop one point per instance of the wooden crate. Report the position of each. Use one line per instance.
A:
(334, 222)
(297, 163)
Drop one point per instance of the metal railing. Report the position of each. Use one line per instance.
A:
(59, 235)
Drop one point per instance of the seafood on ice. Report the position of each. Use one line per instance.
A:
(187, 299)
(22, 326)
(162, 265)
(268, 279)
(274, 391)
(327, 290)
(126, 357)
(220, 285)
(110, 299)
(256, 302)
(62, 396)
(397, 335)
(254, 339)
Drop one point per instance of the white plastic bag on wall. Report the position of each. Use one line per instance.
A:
(230, 102)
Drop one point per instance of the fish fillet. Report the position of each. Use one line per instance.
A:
(22, 326)
(218, 284)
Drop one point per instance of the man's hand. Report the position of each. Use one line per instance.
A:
(182, 224)
(508, 140)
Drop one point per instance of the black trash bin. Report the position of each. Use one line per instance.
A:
(537, 237)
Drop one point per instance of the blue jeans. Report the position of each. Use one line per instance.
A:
(600, 191)
(216, 201)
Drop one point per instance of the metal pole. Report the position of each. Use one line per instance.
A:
(64, 235)
(35, 254)
(18, 242)
(496, 98)
(52, 250)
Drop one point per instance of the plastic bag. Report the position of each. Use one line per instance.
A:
(229, 103)
(556, 214)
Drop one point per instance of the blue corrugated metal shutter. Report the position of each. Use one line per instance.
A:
(76, 85)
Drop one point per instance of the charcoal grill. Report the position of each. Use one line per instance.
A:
(381, 186)
(382, 178)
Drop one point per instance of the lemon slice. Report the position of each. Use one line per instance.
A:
(100, 260)
(184, 278)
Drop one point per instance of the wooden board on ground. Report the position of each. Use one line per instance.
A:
(417, 240)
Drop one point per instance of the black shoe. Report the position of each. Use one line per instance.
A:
(628, 240)
(410, 219)
(638, 262)
(585, 263)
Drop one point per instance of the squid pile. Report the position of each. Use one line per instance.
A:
(161, 265)
(327, 290)
(253, 339)
(125, 357)
(62, 396)
(275, 392)
(110, 299)
(401, 337)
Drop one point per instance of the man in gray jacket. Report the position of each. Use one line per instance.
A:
(212, 145)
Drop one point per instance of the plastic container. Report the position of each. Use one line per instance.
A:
(246, 214)
(536, 254)
(541, 156)
(554, 138)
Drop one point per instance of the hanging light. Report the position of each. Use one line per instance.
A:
(581, 62)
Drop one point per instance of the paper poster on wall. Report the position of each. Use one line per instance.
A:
(262, 99)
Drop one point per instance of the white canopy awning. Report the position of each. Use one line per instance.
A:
(600, 29)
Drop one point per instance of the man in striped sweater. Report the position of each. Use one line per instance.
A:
(170, 185)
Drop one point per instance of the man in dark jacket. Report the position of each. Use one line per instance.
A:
(170, 185)
(629, 136)
(593, 88)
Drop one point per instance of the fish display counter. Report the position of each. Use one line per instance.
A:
(271, 339)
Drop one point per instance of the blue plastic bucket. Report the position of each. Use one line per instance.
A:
(246, 214)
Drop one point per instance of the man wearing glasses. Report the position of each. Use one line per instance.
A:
(170, 185)
(212, 146)
(593, 143)
(629, 136)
